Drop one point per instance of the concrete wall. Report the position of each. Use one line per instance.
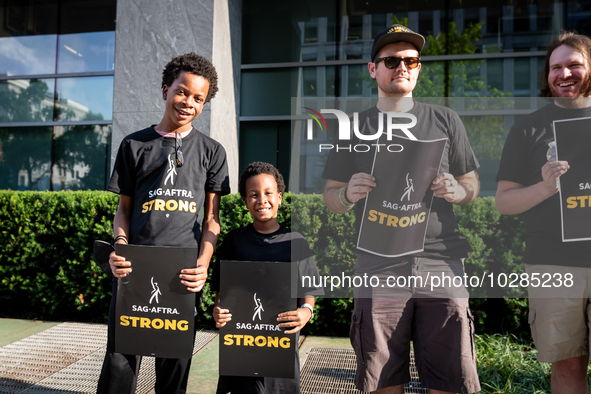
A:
(149, 34)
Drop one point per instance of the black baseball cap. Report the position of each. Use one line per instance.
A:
(396, 33)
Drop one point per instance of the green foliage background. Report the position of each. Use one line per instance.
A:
(47, 271)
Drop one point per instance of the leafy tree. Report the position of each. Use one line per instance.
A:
(83, 148)
(29, 104)
(29, 150)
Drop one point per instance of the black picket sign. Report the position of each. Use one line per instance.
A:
(252, 344)
(573, 139)
(396, 211)
(154, 311)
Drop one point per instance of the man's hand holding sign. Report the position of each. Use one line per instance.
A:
(403, 231)
(458, 190)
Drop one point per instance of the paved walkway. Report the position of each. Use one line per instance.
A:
(65, 358)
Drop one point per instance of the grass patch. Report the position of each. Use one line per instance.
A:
(509, 366)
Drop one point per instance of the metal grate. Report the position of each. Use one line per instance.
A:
(332, 371)
(67, 359)
(30, 360)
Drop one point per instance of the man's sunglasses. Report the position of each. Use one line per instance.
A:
(392, 62)
(179, 155)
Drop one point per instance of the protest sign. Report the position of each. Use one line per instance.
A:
(396, 211)
(252, 343)
(573, 139)
(154, 310)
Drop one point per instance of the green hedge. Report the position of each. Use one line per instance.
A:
(47, 272)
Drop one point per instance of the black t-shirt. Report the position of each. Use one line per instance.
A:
(168, 200)
(443, 239)
(247, 244)
(524, 155)
(283, 245)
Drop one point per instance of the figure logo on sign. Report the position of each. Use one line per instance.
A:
(155, 291)
(258, 307)
(408, 189)
(171, 170)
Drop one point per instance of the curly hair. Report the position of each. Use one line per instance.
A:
(258, 168)
(576, 41)
(195, 64)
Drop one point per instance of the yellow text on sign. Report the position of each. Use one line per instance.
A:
(578, 202)
(395, 221)
(158, 324)
(260, 341)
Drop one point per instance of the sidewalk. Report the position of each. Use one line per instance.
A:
(65, 358)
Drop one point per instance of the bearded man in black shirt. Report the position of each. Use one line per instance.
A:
(527, 183)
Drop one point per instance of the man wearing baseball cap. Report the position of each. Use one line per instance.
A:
(439, 324)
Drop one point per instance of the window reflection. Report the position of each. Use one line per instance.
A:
(26, 158)
(268, 92)
(81, 16)
(89, 98)
(334, 33)
(23, 100)
(431, 81)
(80, 153)
(86, 52)
(27, 55)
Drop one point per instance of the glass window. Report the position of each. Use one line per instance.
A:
(332, 33)
(356, 75)
(268, 141)
(311, 30)
(310, 81)
(26, 163)
(431, 81)
(522, 73)
(81, 154)
(23, 100)
(258, 142)
(578, 15)
(83, 16)
(505, 26)
(426, 22)
(330, 79)
(355, 31)
(27, 55)
(268, 92)
(89, 98)
(494, 73)
(378, 23)
(86, 52)
(28, 17)
(521, 16)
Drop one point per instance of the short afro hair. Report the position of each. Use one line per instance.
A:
(258, 168)
(195, 64)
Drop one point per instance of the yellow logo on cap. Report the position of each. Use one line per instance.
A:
(398, 29)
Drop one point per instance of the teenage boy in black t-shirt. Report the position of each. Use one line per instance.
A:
(261, 186)
(170, 178)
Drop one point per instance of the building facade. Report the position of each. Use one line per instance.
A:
(76, 76)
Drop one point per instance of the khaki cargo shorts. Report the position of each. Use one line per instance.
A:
(559, 311)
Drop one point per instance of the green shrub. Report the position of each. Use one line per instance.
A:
(47, 272)
(46, 266)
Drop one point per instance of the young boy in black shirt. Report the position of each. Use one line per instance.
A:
(261, 186)
(170, 179)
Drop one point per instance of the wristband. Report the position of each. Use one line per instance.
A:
(306, 305)
(123, 237)
(341, 199)
(345, 196)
